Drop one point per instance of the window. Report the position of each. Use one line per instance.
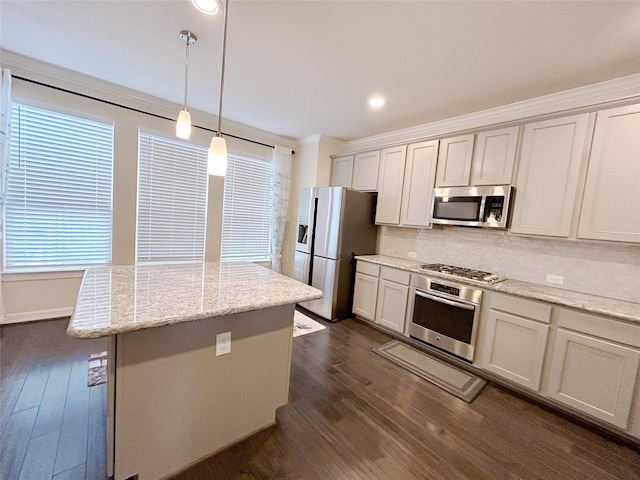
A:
(58, 203)
(172, 200)
(246, 224)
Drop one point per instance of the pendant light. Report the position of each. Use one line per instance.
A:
(183, 125)
(217, 157)
(210, 7)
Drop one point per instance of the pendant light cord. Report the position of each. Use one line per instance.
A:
(186, 70)
(224, 55)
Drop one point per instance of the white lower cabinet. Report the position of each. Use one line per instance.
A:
(594, 376)
(515, 339)
(381, 294)
(515, 348)
(365, 290)
(393, 294)
(365, 295)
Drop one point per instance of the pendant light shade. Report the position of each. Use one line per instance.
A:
(217, 157)
(183, 125)
(210, 7)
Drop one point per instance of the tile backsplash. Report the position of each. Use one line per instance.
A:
(607, 269)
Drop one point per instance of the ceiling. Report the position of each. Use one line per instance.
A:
(297, 68)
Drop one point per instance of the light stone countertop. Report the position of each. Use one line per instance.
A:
(617, 309)
(122, 299)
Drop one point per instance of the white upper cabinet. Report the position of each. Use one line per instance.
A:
(391, 175)
(365, 171)
(494, 156)
(342, 171)
(419, 178)
(612, 190)
(548, 176)
(454, 161)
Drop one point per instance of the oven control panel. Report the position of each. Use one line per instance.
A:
(439, 287)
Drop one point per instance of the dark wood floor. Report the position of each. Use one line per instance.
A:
(53, 425)
(355, 415)
(352, 415)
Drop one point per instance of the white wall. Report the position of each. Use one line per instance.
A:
(607, 269)
(46, 295)
(311, 168)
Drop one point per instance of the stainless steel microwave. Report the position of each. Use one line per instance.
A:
(486, 206)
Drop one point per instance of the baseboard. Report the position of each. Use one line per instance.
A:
(36, 315)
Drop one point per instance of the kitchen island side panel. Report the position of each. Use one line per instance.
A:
(176, 402)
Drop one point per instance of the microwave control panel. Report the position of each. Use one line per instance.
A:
(493, 208)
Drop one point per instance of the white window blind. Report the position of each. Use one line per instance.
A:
(172, 200)
(58, 204)
(246, 224)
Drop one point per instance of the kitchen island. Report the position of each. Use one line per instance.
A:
(171, 399)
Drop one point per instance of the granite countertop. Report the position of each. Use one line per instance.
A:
(124, 299)
(617, 309)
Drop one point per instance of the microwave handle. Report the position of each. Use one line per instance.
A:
(444, 300)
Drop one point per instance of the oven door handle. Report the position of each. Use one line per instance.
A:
(444, 300)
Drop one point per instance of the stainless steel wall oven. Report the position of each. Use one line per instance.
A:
(445, 315)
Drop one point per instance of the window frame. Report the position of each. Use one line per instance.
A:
(202, 156)
(247, 256)
(107, 171)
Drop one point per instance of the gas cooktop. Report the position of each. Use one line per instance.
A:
(462, 272)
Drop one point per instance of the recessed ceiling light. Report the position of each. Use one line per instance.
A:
(210, 7)
(376, 102)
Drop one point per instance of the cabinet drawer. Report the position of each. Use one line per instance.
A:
(621, 332)
(368, 268)
(395, 275)
(518, 306)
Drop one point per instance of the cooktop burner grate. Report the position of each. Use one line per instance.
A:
(462, 272)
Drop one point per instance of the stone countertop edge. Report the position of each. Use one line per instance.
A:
(609, 307)
(287, 291)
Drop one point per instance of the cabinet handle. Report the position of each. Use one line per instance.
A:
(435, 298)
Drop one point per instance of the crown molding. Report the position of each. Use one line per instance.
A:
(619, 89)
(66, 79)
(309, 139)
(319, 138)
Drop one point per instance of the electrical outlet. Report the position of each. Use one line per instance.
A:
(411, 254)
(555, 279)
(223, 343)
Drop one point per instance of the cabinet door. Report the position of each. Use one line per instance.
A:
(391, 174)
(594, 376)
(365, 171)
(342, 171)
(612, 191)
(454, 161)
(494, 156)
(392, 305)
(419, 179)
(365, 295)
(547, 177)
(514, 348)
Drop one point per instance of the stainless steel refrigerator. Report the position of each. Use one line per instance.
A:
(334, 224)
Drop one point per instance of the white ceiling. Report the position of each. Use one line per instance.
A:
(297, 68)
